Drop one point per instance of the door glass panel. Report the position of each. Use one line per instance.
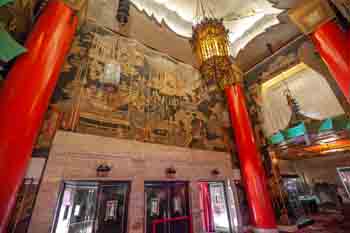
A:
(214, 210)
(77, 212)
(178, 208)
(156, 196)
(113, 211)
(167, 209)
(93, 207)
(344, 174)
(219, 207)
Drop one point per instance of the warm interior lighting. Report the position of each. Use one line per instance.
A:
(275, 160)
(328, 140)
(337, 146)
(332, 151)
(210, 39)
(210, 43)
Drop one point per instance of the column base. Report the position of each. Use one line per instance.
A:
(265, 230)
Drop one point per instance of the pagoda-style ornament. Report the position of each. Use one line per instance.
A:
(211, 45)
(297, 117)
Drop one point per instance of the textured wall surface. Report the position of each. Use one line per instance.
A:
(119, 88)
(75, 157)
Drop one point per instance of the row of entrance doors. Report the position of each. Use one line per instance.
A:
(102, 207)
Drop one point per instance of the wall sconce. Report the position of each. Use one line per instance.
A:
(103, 170)
(170, 172)
(215, 172)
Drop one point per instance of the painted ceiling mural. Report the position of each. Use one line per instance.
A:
(116, 87)
(244, 18)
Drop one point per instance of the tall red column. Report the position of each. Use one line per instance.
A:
(252, 170)
(333, 44)
(25, 96)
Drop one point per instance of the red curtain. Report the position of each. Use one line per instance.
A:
(205, 205)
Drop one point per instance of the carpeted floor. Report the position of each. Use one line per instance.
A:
(327, 223)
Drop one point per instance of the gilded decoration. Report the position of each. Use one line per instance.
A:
(211, 45)
(221, 70)
(119, 88)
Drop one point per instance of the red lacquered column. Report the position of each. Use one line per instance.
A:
(333, 45)
(25, 96)
(252, 170)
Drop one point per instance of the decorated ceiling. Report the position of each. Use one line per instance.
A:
(244, 18)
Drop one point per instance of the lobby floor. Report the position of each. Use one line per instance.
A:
(327, 223)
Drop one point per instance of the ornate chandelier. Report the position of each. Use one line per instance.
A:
(211, 45)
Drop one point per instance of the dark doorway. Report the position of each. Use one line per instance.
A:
(112, 212)
(167, 207)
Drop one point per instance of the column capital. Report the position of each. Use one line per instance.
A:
(223, 70)
(311, 14)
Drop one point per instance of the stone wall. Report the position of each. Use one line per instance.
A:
(75, 157)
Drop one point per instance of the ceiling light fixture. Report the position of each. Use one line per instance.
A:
(210, 43)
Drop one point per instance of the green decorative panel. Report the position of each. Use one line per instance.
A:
(277, 138)
(4, 2)
(296, 131)
(326, 125)
(9, 48)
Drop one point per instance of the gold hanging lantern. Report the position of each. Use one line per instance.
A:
(211, 45)
(210, 39)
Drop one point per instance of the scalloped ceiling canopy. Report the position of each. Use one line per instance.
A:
(244, 18)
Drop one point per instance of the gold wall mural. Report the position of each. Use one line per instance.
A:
(117, 87)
